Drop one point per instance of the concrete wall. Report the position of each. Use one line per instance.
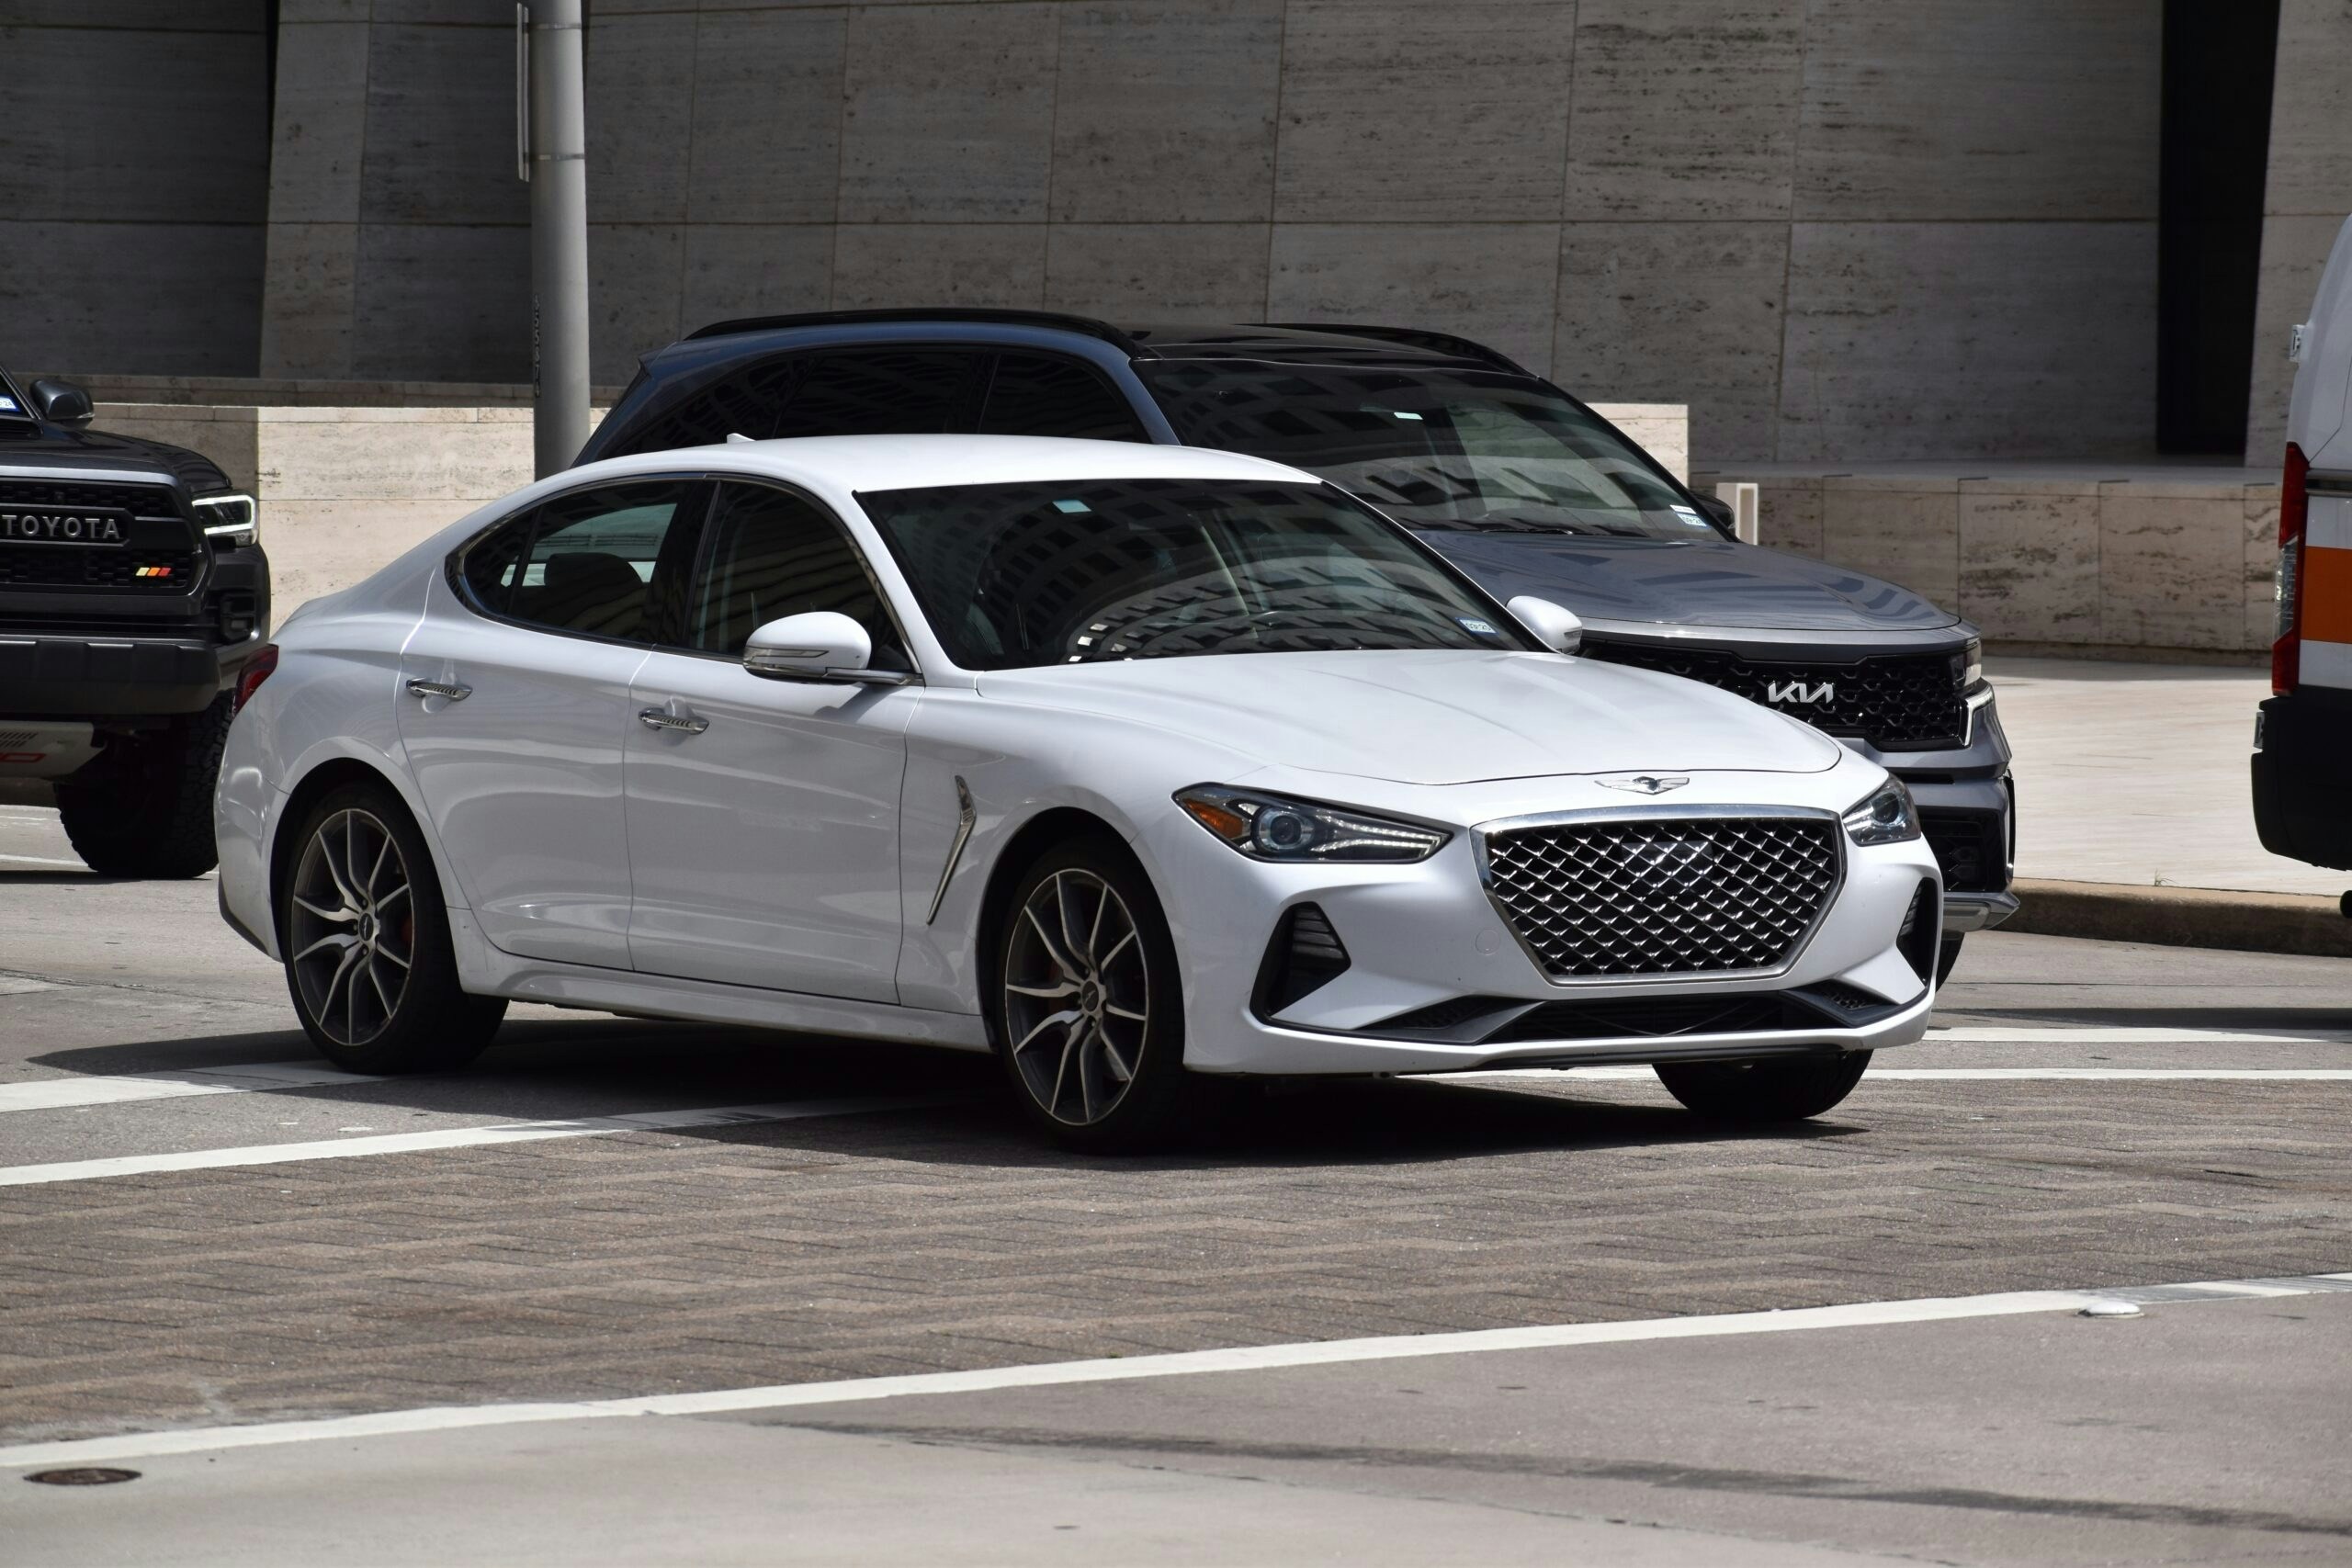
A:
(2050, 557)
(1836, 227)
(2306, 199)
(134, 167)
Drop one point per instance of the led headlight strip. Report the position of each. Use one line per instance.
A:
(1276, 827)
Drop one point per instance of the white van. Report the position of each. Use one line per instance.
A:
(2303, 742)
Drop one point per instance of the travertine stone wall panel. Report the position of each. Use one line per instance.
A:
(440, 127)
(410, 324)
(1138, 272)
(1926, 109)
(312, 286)
(2305, 200)
(1681, 310)
(169, 298)
(1164, 111)
(636, 279)
(1490, 281)
(1398, 110)
(2028, 559)
(2169, 578)
(642, 76)
(1684, 108)
(1904, 530)
(949, 112)
(878, 264)
(753, 269)
(2014, 339)
(318, 139)
(767, 116)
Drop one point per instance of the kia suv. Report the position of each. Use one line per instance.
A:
(1517, 482)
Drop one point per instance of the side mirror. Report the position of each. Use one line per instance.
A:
(1554, 626)
(823, 644)
(62, 402)
(1721, 514)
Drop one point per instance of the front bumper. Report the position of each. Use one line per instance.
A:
(1423, 937)
(89, 676)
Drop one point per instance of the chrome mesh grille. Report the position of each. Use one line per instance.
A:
(1668, 895)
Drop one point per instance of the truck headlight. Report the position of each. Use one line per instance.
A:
(1275, 827)
(229, 521)
(1885, 815)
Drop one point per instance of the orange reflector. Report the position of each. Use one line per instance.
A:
(2327, 595)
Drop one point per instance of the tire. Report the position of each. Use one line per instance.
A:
(1785, 1089)
(1085, 1004)
(144, 808)
(361, 896)
(1946, 957)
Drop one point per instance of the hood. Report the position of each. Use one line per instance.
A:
(1680, 582)
(1433, 716)
(37, 444)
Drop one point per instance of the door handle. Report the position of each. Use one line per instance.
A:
(449, 689)
(662, 718)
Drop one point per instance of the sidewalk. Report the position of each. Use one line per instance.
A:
(2137, 773)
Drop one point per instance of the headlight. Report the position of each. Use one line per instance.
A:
(1274, 828)
(1969, 665)
(1883, 817)
(229, 521)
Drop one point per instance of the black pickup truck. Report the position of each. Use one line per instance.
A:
(134, 597)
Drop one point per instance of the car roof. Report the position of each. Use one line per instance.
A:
(853, 463)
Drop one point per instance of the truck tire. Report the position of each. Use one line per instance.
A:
(144, 808)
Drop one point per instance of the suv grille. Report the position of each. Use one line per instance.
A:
(139, 500)
(1664, 896)
(1906, 702)
(98, 569)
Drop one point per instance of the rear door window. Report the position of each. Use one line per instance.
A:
(606, 562)
(1046, 394)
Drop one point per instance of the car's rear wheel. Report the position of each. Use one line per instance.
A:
(1776, 1088)
(1086, 1007)
(366, 941)
(144, 808)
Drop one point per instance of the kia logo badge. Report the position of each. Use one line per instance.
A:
(1798, 692)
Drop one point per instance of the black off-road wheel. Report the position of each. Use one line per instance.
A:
(366, 936)
(1086, 1006)
(1778, 1088)
(144, 809)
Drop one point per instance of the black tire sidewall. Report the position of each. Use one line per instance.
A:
(437, 1025)
(1155, 1108)
(1770, 1090)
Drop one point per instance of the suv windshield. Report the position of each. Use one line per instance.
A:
(1012, 576)
(1434, 448)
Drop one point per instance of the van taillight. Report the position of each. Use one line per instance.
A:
(257, 669)
(2294, 506)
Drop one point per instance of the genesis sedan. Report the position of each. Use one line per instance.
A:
(1137, 766)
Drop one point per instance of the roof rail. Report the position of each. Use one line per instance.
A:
(953, 313)
(1413, 337)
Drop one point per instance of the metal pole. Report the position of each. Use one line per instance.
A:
(558, 169)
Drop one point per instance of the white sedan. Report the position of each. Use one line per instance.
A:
(1136, 765)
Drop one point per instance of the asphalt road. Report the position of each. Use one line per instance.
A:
(476, 1318)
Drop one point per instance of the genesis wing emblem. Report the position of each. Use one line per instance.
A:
(1644, 784)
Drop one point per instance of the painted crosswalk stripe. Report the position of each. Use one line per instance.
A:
(1247, 1358)
(449, 1138)
(1982, 1075)
(248, 1078)
(2134, 1034)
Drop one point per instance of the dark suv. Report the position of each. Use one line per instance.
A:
(1515, 481)
(133, 595)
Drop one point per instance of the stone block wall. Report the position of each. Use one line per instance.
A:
(2050, 558)
(1884, 227)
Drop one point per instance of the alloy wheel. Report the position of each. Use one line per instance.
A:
(1077, 997)
(352, 929)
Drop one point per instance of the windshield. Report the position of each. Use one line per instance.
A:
(1434, 448)
(1012, 576)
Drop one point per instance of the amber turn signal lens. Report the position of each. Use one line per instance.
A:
(1226, 824)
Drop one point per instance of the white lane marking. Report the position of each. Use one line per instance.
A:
(61, 1094)
(45, 860)
(446, 1138)
(1182, 1363)
(2051, 1074)
(2101, 1035)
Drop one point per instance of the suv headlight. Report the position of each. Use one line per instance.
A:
(1275, 827)
(1885, 815)
(1969, 665)
(229, 521)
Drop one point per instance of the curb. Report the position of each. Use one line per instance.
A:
(2184, 917)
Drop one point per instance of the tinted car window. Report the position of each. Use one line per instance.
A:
(774, 554)
(587, 561)
(1434, 448)
(889, 391)
(1045, 394)
(1016, 575)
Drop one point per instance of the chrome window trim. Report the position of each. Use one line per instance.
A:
(1482, 833)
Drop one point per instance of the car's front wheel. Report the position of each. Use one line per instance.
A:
(1778, 1088)
(1088, 1013)
(367, 942)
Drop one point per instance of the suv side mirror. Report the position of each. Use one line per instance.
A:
(823, 645)
(1556, 626)
(1719, 512)
(62, 402)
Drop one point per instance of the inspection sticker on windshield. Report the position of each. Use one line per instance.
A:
(1477, 627)
(1072, 507)
(1690, 514)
